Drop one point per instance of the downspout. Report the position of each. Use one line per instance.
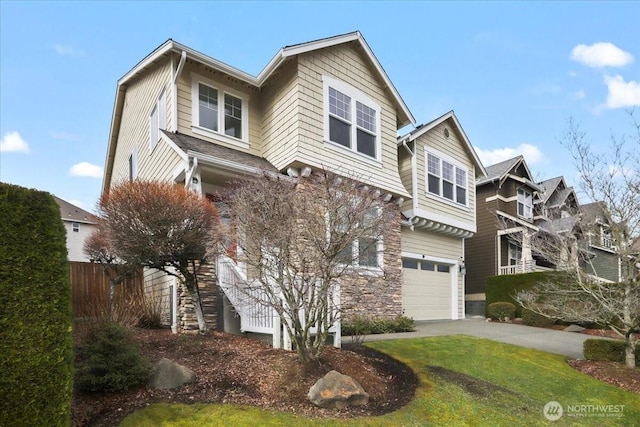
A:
(413, 182)
(176, 76)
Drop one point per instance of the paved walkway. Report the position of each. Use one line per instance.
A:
(558, 342)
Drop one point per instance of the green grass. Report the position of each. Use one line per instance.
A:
(518, 382)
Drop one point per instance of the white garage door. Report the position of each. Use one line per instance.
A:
(426, 290)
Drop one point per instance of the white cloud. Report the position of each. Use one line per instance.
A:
(67, 50)
(12, 142)
(621, 94)
(598, 55)
(86, 169)
(531, 153)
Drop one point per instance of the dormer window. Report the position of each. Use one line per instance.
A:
(219, 112)
(352, 120)
(525, 204)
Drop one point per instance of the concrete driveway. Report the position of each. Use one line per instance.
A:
(558, 342)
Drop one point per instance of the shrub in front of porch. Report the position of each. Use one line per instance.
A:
(501, 310)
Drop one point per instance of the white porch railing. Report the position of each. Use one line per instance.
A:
(259, 318)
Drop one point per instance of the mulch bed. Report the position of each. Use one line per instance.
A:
(235, 369)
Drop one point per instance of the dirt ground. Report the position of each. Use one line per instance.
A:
(235, 369)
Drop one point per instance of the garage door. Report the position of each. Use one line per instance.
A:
(426, 290)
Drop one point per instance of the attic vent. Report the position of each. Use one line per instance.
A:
(446, 133)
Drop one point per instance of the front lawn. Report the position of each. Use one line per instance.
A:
(464, 381)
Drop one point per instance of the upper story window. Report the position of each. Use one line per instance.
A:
(446, 179)
(75, 227)
(157, 120)
(219, 112)
(525, 204)
(351, 119)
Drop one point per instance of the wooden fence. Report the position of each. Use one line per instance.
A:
(90, 288)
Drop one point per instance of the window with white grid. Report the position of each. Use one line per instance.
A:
(446, 179)
(352, 120)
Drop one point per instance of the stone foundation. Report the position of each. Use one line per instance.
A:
(207, 284)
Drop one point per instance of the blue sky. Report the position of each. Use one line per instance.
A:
(513, 72)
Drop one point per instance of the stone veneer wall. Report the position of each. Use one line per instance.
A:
(207, 284)
(377, 296)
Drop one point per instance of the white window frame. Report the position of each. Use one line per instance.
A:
(219, 134)
(514, 252)
(355, 253)
(157, 120)
(75, 226)
(527, 208)
(457, 166)
(356, 96)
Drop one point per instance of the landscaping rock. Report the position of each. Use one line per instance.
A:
(337, 391)
(168, 374)
(574, 328)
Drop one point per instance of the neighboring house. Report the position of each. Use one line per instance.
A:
(184, 117)
(604, 260)
(439, 167)
(506, 199)
(79, 224)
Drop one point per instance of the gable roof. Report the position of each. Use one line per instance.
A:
(69, 212)
(404, 117)
(548, 187)
(424, 128)
(500, 171)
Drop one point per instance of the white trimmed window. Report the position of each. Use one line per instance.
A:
(157, 120)
(446, 179)
(525, 204)
(366, 252)
(75, 227)
(219, 112)
(515, 254)
(351, 119)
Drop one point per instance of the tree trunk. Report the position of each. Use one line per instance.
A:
(192, 286)
(629, 350)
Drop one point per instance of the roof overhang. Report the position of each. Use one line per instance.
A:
(412, 136)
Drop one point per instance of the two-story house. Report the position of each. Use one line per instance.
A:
(184, 117)
(79, 224)
(604, 261)
(506, 199)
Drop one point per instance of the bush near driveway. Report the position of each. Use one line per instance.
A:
(36, 350)
(612, 350)
(503, 288)
(501, 310)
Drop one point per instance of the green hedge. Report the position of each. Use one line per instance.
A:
(612, 350)
(503, 288)
(367, 326)
(532, 318)
(36, 348)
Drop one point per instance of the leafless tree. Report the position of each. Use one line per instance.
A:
(299, 237)
(162, 226)
(612, 178)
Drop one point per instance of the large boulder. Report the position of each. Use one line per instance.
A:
(168, 374)
(336, 391)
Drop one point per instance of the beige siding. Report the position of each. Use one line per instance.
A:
(345, 63)
(75, 240)
(158, 294)
(431, 244)
(184, 106)
(455, 148)
(141, 95)
(281, 123)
